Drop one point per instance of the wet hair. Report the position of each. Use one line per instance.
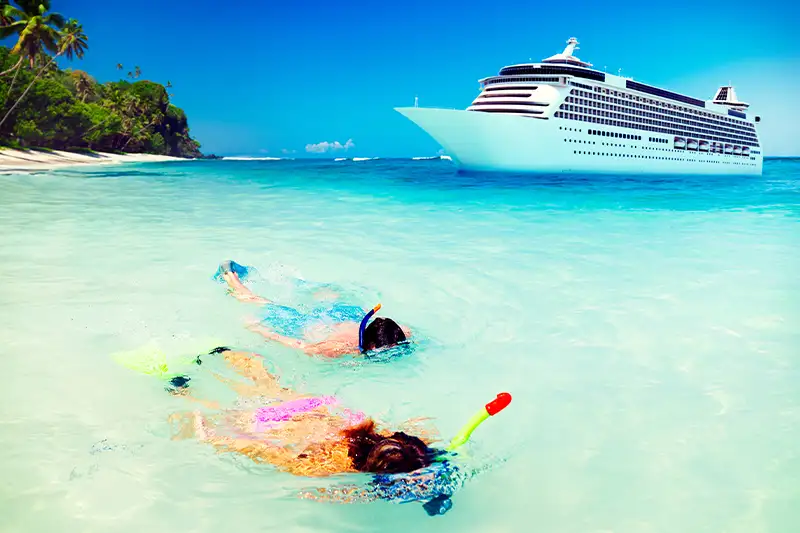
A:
(397, 453)
(382, 332)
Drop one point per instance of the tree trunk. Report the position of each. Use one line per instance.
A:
(14, 67)
(11, 87)
(39, 75)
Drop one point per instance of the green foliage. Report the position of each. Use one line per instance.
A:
(151, 94)
(67, 109)
(35, 28)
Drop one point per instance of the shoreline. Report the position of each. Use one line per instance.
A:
(13, 159)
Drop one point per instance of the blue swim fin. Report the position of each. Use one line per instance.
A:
(232, 266)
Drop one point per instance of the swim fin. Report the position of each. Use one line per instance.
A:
(232, 266)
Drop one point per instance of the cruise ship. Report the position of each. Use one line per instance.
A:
(562, 115)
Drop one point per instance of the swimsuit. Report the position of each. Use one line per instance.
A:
(290, 322)
(266, 417)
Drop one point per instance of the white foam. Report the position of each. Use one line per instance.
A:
(243, 158)
(422, 158)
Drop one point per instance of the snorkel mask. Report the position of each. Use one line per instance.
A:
(384, 353)
(434, 485)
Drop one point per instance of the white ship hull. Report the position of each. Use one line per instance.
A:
(513, 143)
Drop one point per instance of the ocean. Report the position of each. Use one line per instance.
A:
(647, 329)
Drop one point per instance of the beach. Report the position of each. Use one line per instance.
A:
(37, 159)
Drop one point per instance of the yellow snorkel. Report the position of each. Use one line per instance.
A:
(490, 409)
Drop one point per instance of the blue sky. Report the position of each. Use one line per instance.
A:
(258, 77)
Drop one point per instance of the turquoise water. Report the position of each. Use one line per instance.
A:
(647, 329)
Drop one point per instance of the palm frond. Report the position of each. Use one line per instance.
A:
(55, 19)
(31, 7)
(49, 40)
(11, 12)
(12, 29)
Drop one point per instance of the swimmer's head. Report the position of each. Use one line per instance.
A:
(393, 454)
(380, 333)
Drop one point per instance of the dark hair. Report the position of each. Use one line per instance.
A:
(397, 453)
(382, 332)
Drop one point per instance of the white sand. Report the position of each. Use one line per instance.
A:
(36, 160)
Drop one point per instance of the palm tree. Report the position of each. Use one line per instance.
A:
(37, 30)
(130, 75)
(137, 72)
(119, 66)
(169, 85)
(4, 19)
(71, 42)
(84, 84)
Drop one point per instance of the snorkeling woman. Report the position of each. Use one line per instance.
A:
(301, 434)
(352, 333)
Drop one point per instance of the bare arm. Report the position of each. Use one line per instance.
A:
(326, 348)
(239, 291)
(271, 335)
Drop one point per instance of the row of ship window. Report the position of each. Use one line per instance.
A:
(657, 140)
(581, 112)
(654, 139)
(538, 79)
(689, 119)
(635, 156)
(623, 98)
(619, 97)
(739, 135)
(588, 101)
(615, 134)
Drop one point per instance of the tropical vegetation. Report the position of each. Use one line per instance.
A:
(42, 105)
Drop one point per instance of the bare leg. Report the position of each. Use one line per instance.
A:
(251, 367)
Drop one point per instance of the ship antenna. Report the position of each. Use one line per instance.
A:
(416, 101)
(572, 45)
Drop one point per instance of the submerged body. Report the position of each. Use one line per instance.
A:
(300, 434)
(330, 331)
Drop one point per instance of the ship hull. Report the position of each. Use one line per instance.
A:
(513, 143)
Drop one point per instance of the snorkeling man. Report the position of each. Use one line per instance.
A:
(335, 332)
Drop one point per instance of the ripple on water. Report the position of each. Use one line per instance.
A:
(645, 328)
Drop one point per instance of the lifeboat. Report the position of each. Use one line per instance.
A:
(737, 150)
(728, 148)
(704, 146)
(680, 143)
(691, 144)
(745, 150)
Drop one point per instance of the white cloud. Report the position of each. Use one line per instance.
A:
(325, 146)
(264, 151)
(286, 151)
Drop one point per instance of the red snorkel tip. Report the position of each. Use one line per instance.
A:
(498, 404)
(377, 308)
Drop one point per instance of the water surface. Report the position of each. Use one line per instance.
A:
(646, 327)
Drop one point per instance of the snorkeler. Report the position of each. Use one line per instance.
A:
(315, 436)
(301, 434)
(350, 333)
